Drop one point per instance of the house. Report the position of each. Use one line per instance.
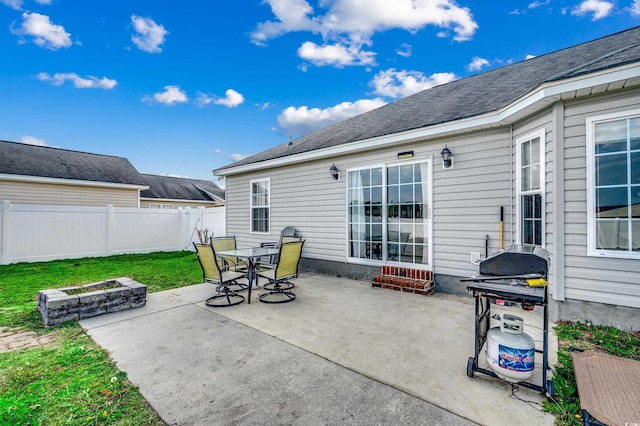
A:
(168, 192)
(544, 151)
(32, 174)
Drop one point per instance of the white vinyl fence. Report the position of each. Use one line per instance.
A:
(31, 233)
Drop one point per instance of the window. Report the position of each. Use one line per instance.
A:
(387, 207)
(160, 206)
(613, 185)
(260, 194)
(530, 184)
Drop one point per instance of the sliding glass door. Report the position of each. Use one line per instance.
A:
(388, 214)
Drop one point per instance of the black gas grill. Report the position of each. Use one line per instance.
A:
(509, 276)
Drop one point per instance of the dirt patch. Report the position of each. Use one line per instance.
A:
(12, 339)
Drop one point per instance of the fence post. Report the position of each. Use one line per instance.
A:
(4, 241)
(109, 213)
(184, 221)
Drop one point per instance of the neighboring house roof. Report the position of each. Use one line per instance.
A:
(47, 162)
(473, 96)
(174, 188)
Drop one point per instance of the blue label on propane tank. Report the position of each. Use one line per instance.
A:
(514, 359)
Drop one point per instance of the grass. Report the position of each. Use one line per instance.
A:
(20, 282)
(73, 381)
(566, 404)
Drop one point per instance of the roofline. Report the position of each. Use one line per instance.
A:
(177, 200)
(58, 181)
(535, 100)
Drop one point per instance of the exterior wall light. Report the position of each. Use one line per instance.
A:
(334, 172)
(447, 158)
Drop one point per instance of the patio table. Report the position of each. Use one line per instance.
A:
(252, 254)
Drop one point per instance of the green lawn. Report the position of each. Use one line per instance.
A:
(73, 382)
(565, 404)
(20, 282)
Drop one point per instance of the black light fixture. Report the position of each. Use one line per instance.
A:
(334, 172)
(447, 161)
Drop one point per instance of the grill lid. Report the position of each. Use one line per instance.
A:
(517, 260)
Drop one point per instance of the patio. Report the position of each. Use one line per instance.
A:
(342, 352)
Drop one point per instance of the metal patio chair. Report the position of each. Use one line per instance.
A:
(216, 271)
(234, 263)
(279, 286)
(287, 234)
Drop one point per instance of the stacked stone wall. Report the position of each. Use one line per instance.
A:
(60, 305)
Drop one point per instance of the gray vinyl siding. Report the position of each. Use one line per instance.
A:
(597, 279)
(304, 196)
(466, 199)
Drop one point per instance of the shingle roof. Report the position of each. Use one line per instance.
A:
(41, 161)
(467, 97)
(174, 188)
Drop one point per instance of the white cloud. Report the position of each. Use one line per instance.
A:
(398, 84)
(635, 8)
(530, 56)
(404, 50)
(171, 95)
(14, 4)
(232, 99)
(149, 35)
(338, 55)
(43, 2)
(31, 140)
(45, 34)
(237, 157)
(291, 15)
(89, 82)
(348, 25)
(364, 19)
(477, 63)
(537, 4)
(302, 120)
(600, 9)
(202, 99)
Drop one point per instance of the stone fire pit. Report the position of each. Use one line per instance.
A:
(76, 303)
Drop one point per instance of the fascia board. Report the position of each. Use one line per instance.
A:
(56, 181)
(175, 200)
(542, 96)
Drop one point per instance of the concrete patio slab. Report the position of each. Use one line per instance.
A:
(341, 353)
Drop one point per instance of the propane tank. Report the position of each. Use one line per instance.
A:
(510, 351)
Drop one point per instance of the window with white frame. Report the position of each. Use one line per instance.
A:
(530, 185)
(613, 185)
(386, 218)
(260, 200)
(160, 206)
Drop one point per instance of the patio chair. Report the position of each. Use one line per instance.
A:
(285, 269)
(234, 263)
(287, 234)
(216, 271)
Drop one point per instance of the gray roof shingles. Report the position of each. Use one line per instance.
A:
(468, 97)
(174, 188)
(47, 162)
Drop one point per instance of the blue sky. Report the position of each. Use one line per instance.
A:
(181, 88)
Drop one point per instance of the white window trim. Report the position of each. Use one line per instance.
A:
(268, 180)
(591, 184)
(160, 206)
(428, 212)
(541, 133)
